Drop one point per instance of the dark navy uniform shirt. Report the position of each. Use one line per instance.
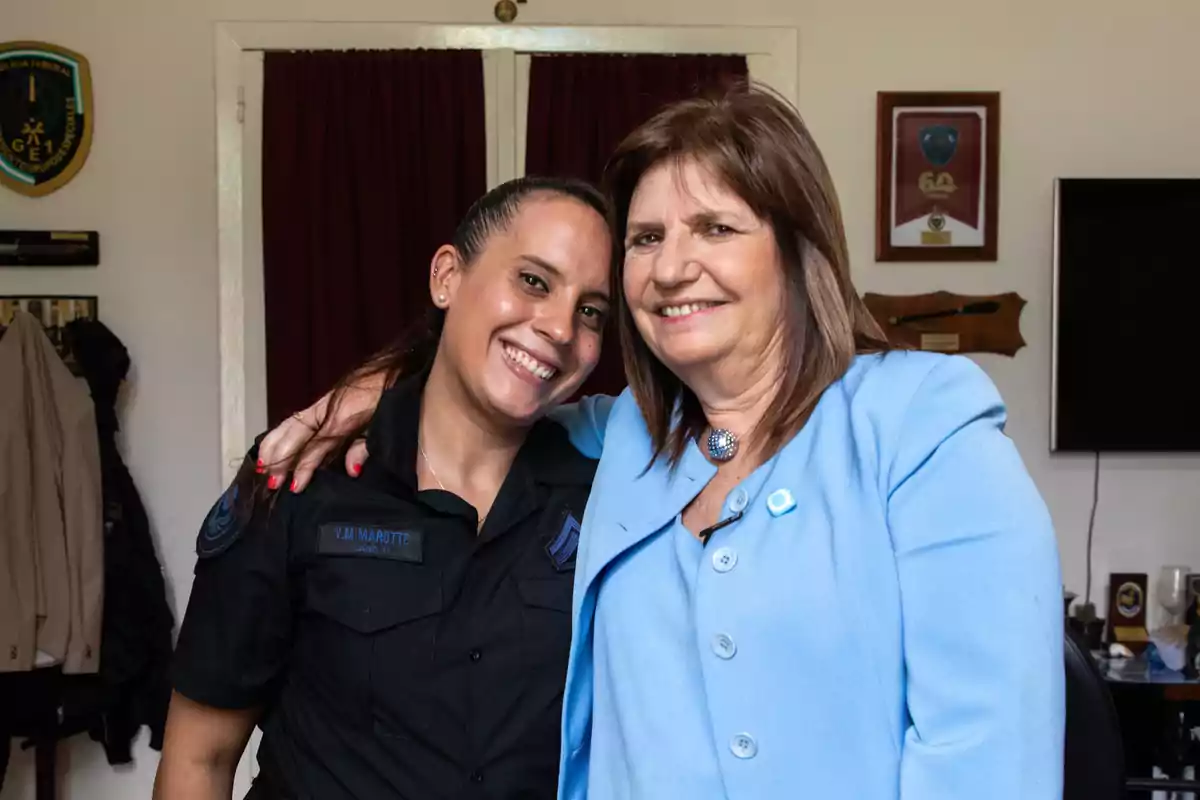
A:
(395, 652)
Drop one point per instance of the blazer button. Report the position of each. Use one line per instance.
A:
(738, 500)
(724, 559)
(743, 746)
(724, 646)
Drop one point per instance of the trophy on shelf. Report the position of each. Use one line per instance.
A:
(1127, 610)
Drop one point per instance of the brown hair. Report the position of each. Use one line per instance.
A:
(755, 142)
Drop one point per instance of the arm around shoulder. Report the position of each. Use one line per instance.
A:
(981, 600)
(586, 421)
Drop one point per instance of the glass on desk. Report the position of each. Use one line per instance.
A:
(1171, 591)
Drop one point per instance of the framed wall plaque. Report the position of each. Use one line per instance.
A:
(937, 176)
(45, 116)
(49, 248)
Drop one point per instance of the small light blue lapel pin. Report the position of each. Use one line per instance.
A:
(779, 502)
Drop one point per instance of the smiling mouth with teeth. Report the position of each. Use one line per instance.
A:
(685, 309)
(529, 363)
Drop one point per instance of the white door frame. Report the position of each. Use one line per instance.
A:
(771, 55)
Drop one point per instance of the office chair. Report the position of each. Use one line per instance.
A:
(1094, 755)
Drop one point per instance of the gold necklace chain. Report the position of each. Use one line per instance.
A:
(429, 464)
(442, 486)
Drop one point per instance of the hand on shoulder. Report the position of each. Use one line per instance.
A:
(298, 445)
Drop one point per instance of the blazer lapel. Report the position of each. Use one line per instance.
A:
(632, 504)
(628, 504)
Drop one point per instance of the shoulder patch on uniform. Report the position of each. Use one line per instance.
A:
(224, 524)
(561, 549)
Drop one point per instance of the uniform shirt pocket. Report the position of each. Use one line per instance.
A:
(546, 625)
(552, 593)
(371, 632)
(370, 596)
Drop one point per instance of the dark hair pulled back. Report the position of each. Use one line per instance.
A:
(414, 350)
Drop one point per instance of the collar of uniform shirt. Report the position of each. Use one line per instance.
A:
(547, 457)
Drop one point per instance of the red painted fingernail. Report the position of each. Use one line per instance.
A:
(273, 482)
(293, 486)
(356, 469)
(260, 463)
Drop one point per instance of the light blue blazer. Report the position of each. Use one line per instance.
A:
(900, 630)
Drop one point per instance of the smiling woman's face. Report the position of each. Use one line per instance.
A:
(703, 276)
(524, 321)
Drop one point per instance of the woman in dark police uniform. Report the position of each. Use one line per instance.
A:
(405, 634)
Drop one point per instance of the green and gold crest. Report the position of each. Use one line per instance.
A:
(45, 116)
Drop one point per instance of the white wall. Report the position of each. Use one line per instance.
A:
(1090, 87)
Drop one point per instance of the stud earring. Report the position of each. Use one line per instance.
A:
(441, 298)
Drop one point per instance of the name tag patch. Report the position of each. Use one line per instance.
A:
(562, 547)
(370, 541)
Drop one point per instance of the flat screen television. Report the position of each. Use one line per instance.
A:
(1126, 315)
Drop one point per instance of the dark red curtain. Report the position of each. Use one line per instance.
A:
(369, 160)
(580, 108)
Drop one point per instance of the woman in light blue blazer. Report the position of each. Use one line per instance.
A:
(809, 567)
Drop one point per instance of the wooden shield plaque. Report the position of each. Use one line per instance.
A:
(951, 323)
